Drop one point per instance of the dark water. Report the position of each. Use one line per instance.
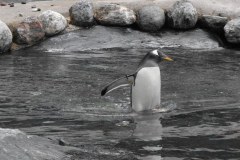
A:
(57, 95)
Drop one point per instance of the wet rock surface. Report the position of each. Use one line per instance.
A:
(150, 18)
(112, 37)
(53, 22)
(16, 145)
(215, 23)
(232, 31)
(82, 13)
(115, 15)
(5, 37)
(30, 31)
(182, 15)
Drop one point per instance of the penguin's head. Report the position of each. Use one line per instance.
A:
(152, 58)
(159, 56)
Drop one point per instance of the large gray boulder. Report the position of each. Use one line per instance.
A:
(215, 23)
(232, 31)
(29, 31)
(5, 37)
(82, 13)
(16, 145)
(53, 22)
(182, 15)
(151, 18)
(115, 15)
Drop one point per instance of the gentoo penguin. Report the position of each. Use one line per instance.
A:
(145, 82)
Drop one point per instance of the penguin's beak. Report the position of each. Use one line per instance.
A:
(168, 59)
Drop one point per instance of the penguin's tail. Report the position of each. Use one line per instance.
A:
(120, 82)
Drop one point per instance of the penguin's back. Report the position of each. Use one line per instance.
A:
(146, 92)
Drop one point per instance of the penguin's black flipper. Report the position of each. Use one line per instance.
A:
(121, 82)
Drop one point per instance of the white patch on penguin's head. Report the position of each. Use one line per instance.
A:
(155, 52)
(159, 56)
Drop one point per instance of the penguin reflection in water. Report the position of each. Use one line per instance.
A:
(145, 82)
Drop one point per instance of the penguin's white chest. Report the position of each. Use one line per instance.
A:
(146, 93)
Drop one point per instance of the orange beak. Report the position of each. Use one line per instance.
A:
(168, 59)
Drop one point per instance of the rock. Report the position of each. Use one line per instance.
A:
(33, 6)
(215, 23)
(5, 37)
(36, 9)
(150, 18)
(100, 37)
(11, 4)
(116, 15)
(53, 22)
(232, 31)
(3, 4)
(16, 145)
(29, 31)
(82, 14)
(182, 15)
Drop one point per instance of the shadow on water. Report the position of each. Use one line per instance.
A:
(57, 95)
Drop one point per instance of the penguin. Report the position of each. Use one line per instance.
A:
(145, 82)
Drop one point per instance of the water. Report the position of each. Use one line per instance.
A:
(56, 94)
